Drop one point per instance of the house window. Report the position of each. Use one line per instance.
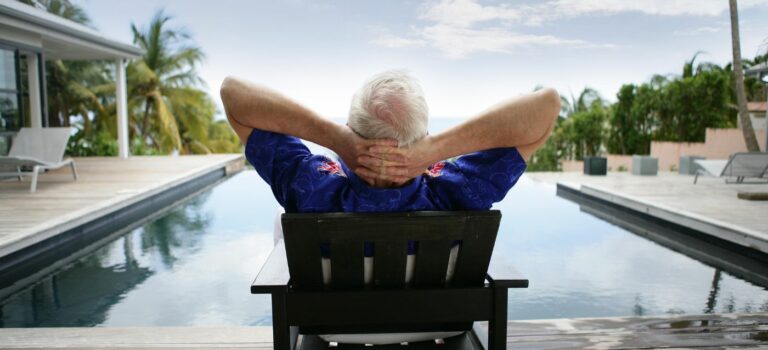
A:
(11, 116)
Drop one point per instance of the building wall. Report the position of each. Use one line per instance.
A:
(718, 144)
(616, 162)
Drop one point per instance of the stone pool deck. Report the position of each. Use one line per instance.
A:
(724, 331)
(108, 189)
(711, 206)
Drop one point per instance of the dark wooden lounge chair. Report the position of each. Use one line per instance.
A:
(303, 306)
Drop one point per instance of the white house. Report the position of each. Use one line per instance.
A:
(28, 37)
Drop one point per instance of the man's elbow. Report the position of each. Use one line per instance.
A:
(551, 102)
(228, 89)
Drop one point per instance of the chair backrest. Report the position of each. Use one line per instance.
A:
(347, 233)
(747, 164)
(713, 167)
(44, 144)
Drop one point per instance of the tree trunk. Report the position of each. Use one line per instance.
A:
(738, 71)
(145, 121)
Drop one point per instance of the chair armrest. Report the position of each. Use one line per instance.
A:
(274, 276)
(505, 276)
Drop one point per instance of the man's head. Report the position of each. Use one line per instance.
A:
(390, 105)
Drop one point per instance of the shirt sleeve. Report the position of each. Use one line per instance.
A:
(488, 176)
(277, 158)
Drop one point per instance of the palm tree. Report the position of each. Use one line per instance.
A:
(746, 123)
(689, 67)
(170, 110)
(61, 8)
(586, 98)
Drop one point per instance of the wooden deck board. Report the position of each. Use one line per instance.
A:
(711, 206)
(727, 331)
(105, 184)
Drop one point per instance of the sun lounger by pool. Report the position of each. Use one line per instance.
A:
(741, 166)
(306, 306)
(38, 149)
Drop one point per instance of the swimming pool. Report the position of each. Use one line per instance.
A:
(194, 266)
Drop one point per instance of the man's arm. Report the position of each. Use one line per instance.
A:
(524, 122)
(249, 106)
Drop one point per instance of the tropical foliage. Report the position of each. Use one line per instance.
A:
(169, 110)
(665, 108)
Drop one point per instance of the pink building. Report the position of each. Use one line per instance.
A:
(718, 144)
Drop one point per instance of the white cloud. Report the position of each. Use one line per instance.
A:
(570, 8)
(458, 42)
(459, 28)
(698, 31)
(464, 13)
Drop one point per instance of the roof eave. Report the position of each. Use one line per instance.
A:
(36, 17)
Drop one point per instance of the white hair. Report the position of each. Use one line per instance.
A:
(390, 105)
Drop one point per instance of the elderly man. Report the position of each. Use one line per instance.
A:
(388, 162)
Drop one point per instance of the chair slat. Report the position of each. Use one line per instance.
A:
(475, 252)
(303, 251)
(389, 264)
(346, 264)
(431, 263)
(387, 227)
(434, 230)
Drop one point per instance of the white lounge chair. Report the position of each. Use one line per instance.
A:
(740, 166)
(38, 148)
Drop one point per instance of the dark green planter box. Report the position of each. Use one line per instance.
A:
(595, 166)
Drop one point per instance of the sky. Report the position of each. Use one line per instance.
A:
(466, 54)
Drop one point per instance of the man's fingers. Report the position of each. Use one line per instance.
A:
(376, 162)
(383, 142)
(367, 173)
(384, 150)
(398, 158)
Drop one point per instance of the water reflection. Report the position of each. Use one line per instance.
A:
(712, 300)
(177, 269)
(77, 296)
(590, 266)
(193, 266)
(177, 233)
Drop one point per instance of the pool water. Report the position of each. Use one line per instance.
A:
(194, 266)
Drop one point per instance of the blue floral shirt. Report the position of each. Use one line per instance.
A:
(304, 182)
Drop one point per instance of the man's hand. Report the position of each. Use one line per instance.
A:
(390, 163)
(351, 147)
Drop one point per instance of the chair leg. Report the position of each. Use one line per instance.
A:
(283, 336)
(74, 170)
(497, 325)
(35, 172)
(18, 170)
